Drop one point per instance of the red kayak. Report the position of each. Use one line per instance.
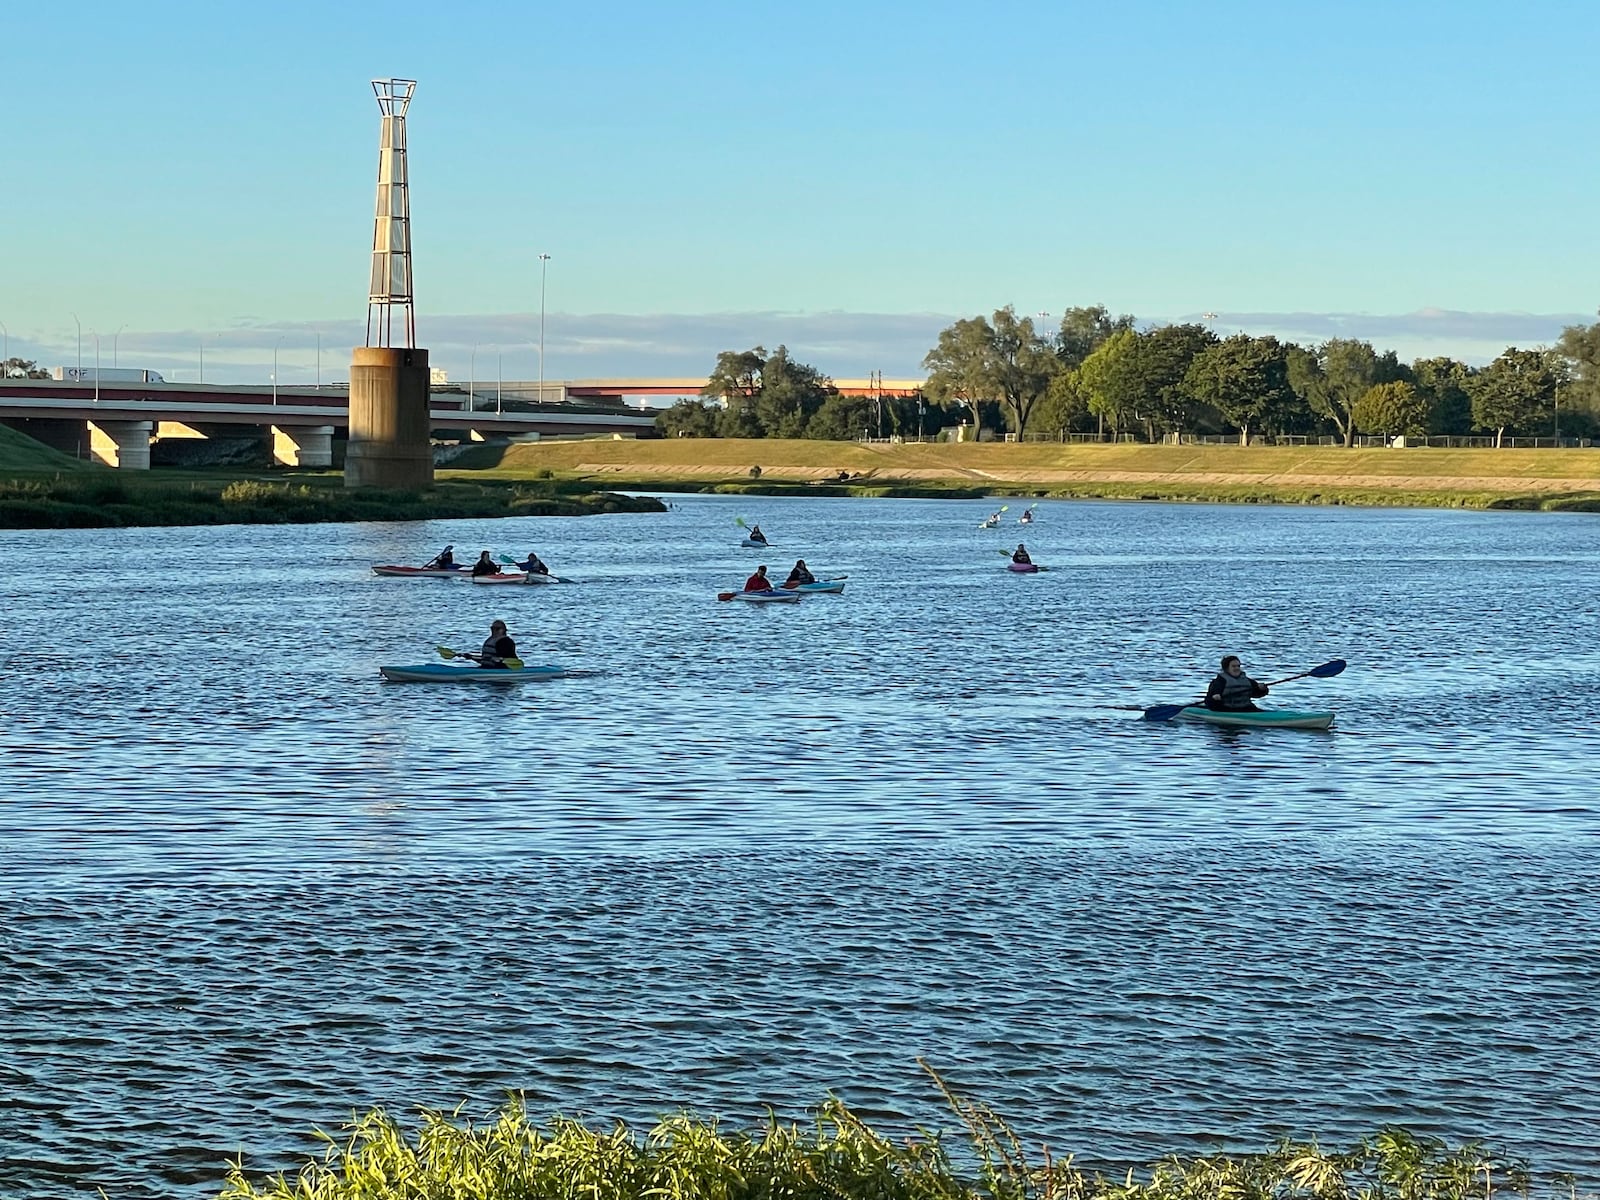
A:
(422, 572)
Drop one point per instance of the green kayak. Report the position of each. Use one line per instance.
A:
(1280, 718)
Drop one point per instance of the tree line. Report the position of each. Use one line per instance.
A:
(1096, 373)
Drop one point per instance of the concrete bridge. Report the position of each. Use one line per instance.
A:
(116, 423)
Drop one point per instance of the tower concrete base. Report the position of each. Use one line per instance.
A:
(390, 445)
(303, 445)
(124, 444)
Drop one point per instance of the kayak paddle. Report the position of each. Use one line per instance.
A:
(1165, 712)
(446, 653)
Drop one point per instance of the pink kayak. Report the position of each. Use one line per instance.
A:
(514, 577)
(1022, 568)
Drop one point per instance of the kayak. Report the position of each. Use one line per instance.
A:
(1279, 718)
(817, 588)
(422, 572)
(750, 545)
(1022, 568)
(515, 577)
(770, 596)
(441, 673)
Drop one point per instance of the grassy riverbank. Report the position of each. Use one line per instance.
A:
(1420, 477)
(80, 500)
(841, 1158)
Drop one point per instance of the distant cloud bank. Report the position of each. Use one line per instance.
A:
(842, 344)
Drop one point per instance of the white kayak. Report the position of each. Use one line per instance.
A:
(419, 572)
(820, 586)
(532, 577)
(770, 596)
(749, 544)
(1270, 718)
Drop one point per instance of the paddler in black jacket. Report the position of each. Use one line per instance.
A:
(1232, 690)
(497, 647)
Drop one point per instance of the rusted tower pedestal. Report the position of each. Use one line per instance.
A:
(390, 445)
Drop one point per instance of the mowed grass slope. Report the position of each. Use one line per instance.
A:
(19, 452)
(1477, 478)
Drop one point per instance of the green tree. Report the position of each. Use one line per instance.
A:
(1246, 379)
(840, 418)
(1579, 347)
(789, 395)
(1004, 360)
(1442, 384)
(1392, 409)
(1162, 358)
(1337, 374)
(1514, 390)
(689, 418)
(1065, 403)
(1109, 378)
(1083, 330)
(958, 367)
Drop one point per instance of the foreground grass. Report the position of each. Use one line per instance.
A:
(841, 1158)
(101, 498)
(1423, 477)
(19, 452)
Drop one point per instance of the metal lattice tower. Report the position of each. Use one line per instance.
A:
(391, 231)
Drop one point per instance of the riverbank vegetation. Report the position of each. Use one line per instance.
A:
(1101, 375)
(102, 498)
(841, 1158)
(1549, 479)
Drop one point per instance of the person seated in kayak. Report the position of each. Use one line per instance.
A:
(443, 560)
(485, 566)
(1026, 518)
(799, 574)
(1232, 690)
(757, 536)
(534, 565)
(758, 582)
(497, 647)
(1021, 555)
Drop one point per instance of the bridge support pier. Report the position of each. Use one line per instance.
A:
(303, 445)
(390, 425)
(124, 444)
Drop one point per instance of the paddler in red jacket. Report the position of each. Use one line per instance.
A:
(758, 582)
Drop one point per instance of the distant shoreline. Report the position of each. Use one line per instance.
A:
(1551, 480)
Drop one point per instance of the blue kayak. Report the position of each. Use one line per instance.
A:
(444, 673)
(822, 586)
(1271, 718)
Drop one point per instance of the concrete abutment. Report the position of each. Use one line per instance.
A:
(390, 446)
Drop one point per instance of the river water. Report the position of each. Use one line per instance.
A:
(754, 854)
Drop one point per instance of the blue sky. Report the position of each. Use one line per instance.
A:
(847, 178)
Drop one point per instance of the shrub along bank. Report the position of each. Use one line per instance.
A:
(99, 499)
(841, 1158)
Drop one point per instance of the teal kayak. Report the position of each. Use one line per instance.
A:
(441, 673)
(1278, 718)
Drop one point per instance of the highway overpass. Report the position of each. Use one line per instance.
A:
(116, 423)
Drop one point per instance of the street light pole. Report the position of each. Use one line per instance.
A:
(5, 358)
(472, 377)
(544, 267)
(79, 324)
(96, 369)
(114, 338)
(275, 346)
(500, 381)
(319, 362)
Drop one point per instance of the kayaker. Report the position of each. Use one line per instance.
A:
(444, 559)
(534, 565)
(497, 647)
(485, 566)
(1026, 518)
(1232, 690)
(757, 536)
(758, 582)
(1021, 555)
(799, 574)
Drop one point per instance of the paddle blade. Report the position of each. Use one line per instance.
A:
(1163, 712)
(739, 521)
(1327, 670)
(445, 652)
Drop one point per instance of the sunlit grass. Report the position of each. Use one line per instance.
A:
(839, 1157)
